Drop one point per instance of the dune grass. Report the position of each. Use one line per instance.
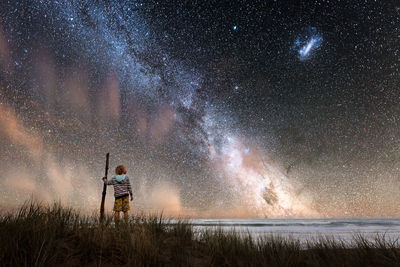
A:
(38, 235)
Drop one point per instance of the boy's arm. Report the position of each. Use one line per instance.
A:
(129, 187)
(108, 182)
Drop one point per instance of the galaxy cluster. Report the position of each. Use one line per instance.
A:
(217, 108)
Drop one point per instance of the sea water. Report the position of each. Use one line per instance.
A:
(306, 229)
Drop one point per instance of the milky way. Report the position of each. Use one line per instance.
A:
(217, 109)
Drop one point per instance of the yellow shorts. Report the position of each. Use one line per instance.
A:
(121, 204)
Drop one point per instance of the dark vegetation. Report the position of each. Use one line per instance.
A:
(39, 235)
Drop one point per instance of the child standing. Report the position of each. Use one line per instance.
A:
(122, 190)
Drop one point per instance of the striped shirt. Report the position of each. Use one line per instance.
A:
(122, 188)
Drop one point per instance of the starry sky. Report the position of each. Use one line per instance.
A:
(217, 108)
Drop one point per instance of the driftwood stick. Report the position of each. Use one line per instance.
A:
(103, 198)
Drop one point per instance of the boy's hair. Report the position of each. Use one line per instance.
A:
(120, 169)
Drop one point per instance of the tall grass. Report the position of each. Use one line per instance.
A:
(38, 235)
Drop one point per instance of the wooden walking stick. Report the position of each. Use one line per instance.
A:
(103, 198)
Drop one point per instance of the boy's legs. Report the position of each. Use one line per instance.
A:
(126, 216)
(125, 208)
(116, 217)
(118, 206)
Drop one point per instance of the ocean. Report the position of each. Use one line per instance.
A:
(306, 229)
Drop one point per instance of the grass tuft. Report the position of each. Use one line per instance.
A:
(41, 235)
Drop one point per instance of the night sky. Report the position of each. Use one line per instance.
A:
(217, 108)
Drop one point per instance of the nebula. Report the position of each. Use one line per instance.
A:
(309, 41)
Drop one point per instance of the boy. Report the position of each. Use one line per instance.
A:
(122, 190)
